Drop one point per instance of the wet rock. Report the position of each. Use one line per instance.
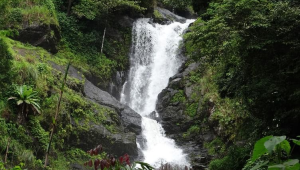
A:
(188, 91)
(153, 115)
(131, 120)
(77, 78)
(116, 85)
(126, 21)
(175, 83)
(102, 97)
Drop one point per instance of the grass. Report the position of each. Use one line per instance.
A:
(32, 66)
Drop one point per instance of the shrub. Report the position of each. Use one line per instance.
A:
(235, 159)
(5, 65)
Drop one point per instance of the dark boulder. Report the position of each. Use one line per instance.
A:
(166, 17)
(113, 143)
(176, 122)
(41, 35)
(130, 119)
(125, 121)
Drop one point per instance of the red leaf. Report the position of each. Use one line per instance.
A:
(126, 159)
(102, 164)
(90, 152)
(99, 148)
(96, 164)
(95, 151)
(90, 163)
(121, 159)
(113, 161)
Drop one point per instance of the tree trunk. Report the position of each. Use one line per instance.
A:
(56, 115)
(69, 7)
(103, 39)
(7, 147)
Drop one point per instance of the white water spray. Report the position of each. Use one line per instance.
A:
(153, 61)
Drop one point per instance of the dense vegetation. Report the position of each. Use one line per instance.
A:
(249, 71)
(31, 77)
(247, 84)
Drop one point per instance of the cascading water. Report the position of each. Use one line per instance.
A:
(153, 60)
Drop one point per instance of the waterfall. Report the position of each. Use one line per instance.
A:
(153, 60)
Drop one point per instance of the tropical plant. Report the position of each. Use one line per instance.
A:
(26, 98)
(111, 163)
(18, 167)
(273, 152)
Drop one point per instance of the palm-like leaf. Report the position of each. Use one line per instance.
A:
(27, 96)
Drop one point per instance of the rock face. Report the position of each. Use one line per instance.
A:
(176, 122)
(172, 113)
(117, 35)
(130, 119)
(129, 125)
(41, 35)
(117, 144)
(127, 122)
(166, 16)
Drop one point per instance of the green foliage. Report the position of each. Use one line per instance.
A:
(40, 14)
(157, 15)
(16, 16)
(191, 109)
(215, 147)
(18, 167)
(259, 148)
(272, 152)
(31, 11)
(149, 5)
(39, 134)
(91, 9)
(192, 131)
(236, 38)
(5, 65)
(178, 97)
(24, 72)
(26, 97)
(234, 160)
(181, 4)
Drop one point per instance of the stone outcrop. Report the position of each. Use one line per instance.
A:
(41, 35)
(176, 122)
(164, 16)
(129, 118)
(117, 144)
(127, 121)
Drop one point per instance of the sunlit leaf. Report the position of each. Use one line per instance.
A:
(294, 167)
(276, 167)
(273, 142)
(259, 148)
(297, 142)
(285, 145)
(291, 162)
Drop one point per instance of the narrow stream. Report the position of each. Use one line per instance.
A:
(153, 61)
